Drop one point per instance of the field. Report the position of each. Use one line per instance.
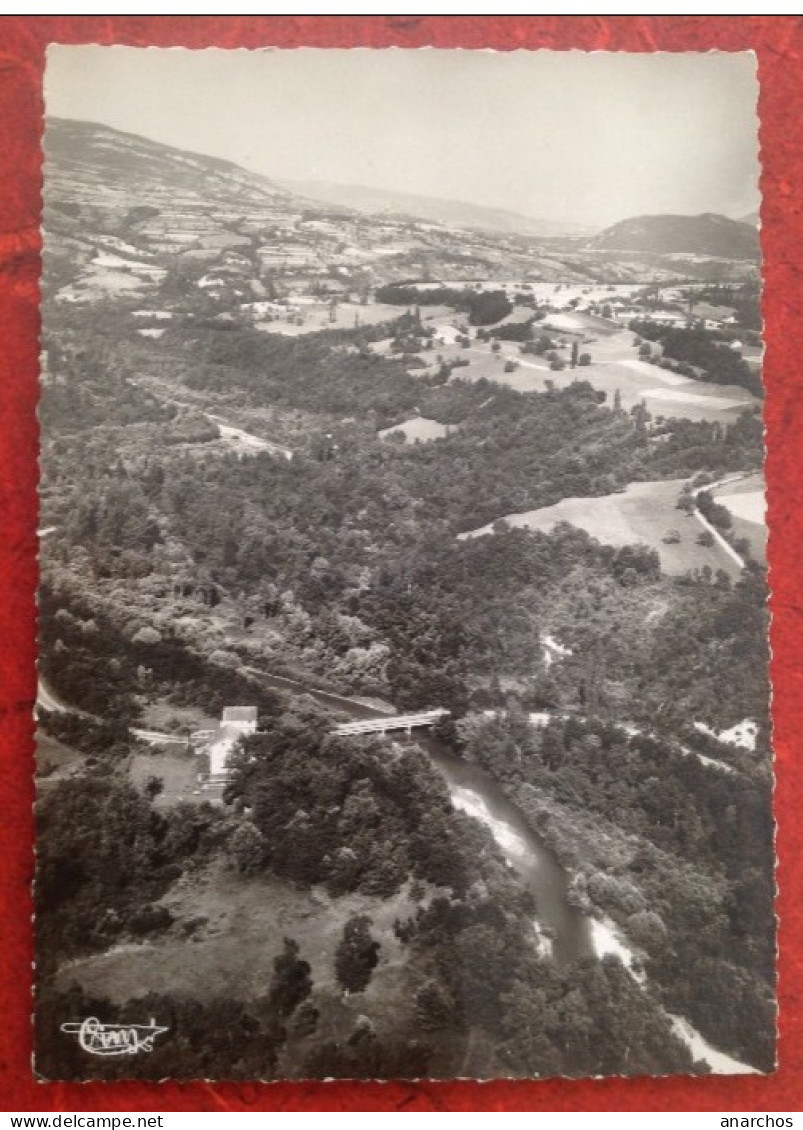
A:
(576, 322)
(177, 769)
(745, 500)
(418, 430)
(243, 922)
(347, 315)
(107, 275)
(641, 514)
(228, 929)
(54, 759)
(615, 366)
(560, 294)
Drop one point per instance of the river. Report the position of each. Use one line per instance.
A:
(560, 929)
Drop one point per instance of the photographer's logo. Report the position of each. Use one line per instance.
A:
(113, 1039)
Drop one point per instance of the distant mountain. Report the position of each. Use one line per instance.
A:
(452, 213)
(707, 234)
(750, 218)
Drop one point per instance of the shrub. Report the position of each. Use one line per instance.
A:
(150, 919)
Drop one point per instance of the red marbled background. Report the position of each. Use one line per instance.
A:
(778, 43)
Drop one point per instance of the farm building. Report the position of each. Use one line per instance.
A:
(215, 746)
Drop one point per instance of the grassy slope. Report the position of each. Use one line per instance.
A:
(744, 527)
(643, 513)
(231, 953)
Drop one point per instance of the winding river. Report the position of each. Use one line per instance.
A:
(561, 929)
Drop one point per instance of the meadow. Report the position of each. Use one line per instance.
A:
(643, 514)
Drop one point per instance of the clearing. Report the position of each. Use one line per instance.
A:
(226, 933)
(745, 499)
(615, 366)
(54, 759)
(418, 429)
(176, 767)
(643, 514)
(345, 315)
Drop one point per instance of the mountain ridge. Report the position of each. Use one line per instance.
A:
(442, 210)
(708, 233)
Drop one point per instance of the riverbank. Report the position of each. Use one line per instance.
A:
(573, 865)
(599, 935)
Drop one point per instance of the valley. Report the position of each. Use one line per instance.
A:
(314, 462)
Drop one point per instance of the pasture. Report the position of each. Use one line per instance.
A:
(177, 769)
(345, 316)
(54, 759)
(615, 365)
(228, 930)
(418, 430)
(643, 514)
(745, 499)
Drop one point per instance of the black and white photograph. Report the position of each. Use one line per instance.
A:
(403, 692)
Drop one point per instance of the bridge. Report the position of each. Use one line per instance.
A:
(391, 722)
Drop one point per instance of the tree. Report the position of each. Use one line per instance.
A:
(291, 983)
(647, 929)
(434, 1007)
(153, 786)
(640, 416)
(357, 955)
(575, 354)
(247, 849)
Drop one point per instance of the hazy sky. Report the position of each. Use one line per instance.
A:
(572, 136)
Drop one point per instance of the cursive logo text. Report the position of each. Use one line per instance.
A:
(113, 1039)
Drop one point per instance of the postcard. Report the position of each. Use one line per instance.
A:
(403, 702)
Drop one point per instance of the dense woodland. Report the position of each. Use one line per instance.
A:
(694, 895)
(181, 571)
(353, 819)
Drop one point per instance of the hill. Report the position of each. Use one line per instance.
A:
(122, 165)
(452, 213)
(125, 210)
(706, 234)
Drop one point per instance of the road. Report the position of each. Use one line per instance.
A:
(46, 699)
(249, 441)
(723, 542)
(237, 436)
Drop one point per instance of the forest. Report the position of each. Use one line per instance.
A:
(484, 308)
(355, 819)
(183, 572)
(694, 894)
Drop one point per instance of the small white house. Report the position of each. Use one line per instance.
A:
(236, 722)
